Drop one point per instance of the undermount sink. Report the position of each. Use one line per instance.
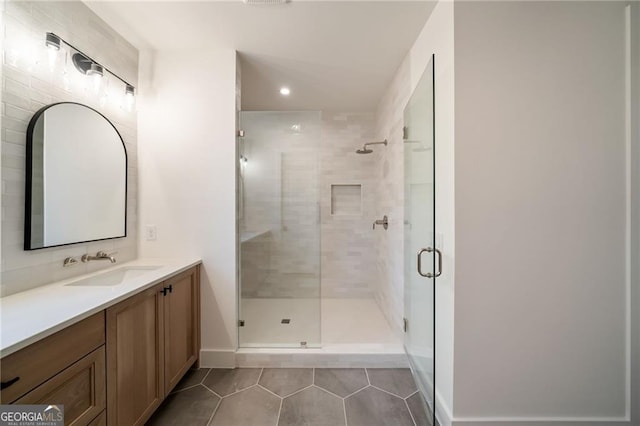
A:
(115, 277)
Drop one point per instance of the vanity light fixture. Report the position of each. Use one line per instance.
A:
(85, 65)
(52, 42)
(96, 71)
(129, 96)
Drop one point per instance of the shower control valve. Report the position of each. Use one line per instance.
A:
(384, 222)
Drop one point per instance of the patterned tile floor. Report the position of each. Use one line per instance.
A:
(294, 396)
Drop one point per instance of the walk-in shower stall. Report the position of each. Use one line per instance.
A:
(320, 229)
(307, 205)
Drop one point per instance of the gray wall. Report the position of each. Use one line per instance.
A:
(28, 85)
(540, 299)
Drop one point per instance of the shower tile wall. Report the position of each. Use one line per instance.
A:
(279, 217)
(348, 253)
(390, 179)
(28, 85)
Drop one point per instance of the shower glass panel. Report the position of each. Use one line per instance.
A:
(279, 225)
(419, 235)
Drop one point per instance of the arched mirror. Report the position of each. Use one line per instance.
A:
(76, 177)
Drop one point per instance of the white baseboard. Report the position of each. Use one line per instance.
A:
(443, 412)
(319, 358)
(445, 418)
(541, 421)
(217, 358)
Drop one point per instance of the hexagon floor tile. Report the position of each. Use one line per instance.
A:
(225, 382)
(373, 407)
(193, 406)
(192, 378)
(312, 407)
(250, 407)
(285, 381)
(340, 381)
(325, 403)
(419, 410)
(398, 381)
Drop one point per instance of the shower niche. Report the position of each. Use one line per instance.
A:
(346, 199)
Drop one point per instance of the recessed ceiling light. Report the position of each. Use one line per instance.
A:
(284, 91)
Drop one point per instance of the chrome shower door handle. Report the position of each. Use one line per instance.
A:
(429, 274)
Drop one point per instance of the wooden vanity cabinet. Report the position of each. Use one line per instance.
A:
(66, 368)
(135, 358)
(116, 366)
(181, 326)
(152, 340)
(80, 388)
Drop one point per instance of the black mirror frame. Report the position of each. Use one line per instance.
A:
(29, 179)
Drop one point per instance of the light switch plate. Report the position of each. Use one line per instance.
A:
(150, 232)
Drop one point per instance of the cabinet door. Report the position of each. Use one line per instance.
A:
(181, 325)
(80, 388)
(101, 420)
(135, 358)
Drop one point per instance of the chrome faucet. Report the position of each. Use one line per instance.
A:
(99, 256)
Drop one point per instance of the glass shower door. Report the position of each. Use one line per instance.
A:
(420, 254)
(279, 225)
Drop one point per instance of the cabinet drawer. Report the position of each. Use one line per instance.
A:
(81, 388)
(42, 360)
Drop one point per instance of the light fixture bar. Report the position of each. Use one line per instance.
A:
(53, 36)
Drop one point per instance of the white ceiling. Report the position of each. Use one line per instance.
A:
(333, 55)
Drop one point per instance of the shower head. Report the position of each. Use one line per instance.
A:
(366, 150)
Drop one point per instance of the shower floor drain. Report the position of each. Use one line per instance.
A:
(285, 321)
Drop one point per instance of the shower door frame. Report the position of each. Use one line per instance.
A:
(430, 246)
(310, 120)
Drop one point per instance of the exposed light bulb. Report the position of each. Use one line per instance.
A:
(95, 72)
(97, 82)
(53, 56)
(52, 42)
(129, 97)
(285, 91)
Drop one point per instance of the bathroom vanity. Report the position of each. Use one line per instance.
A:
(109, 346)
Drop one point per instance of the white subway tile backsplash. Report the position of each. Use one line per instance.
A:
(12, 161)
(14, 87)
(29, 86)
(17, 113)
(17, 76)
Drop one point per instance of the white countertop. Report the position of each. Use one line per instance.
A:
(32, 315)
